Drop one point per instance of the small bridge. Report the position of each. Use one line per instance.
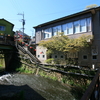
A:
(93, 91)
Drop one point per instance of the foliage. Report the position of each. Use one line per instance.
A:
(49, 52)
(49, 60)
(1, 65)
(91, 6)
(65, 44)
(24, 70)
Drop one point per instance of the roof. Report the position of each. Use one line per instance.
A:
(69, 16)
(7, 21)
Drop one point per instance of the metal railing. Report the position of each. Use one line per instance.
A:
(29, 53)
(6, 42)
(92, 92)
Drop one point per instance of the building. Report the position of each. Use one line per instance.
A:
(7, 44)
(19, 35)
(6, 32)
(85, 22)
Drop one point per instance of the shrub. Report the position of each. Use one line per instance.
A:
(49, 60)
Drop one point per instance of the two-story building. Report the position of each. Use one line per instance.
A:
(85, 22)
(6, 32)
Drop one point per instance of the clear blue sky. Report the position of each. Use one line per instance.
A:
(39, 11)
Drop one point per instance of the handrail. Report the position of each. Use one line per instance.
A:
(90, 92)
(22, 49)
(29, 53)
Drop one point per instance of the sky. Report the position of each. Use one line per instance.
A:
(39, 11)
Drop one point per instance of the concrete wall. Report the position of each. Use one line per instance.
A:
(41, 53)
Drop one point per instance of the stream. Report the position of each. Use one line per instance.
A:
(34, 87)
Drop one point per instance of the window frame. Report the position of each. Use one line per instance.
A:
(85, 58)
(2, 28)
(95, 56)
(85, 25)
(76, 24)
(68, 28)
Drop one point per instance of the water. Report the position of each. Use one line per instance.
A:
(34, 87)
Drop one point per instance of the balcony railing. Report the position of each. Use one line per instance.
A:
(6, 40)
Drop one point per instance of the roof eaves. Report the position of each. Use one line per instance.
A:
(7, 21)
(66, 17)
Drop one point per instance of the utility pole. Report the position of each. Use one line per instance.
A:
(23, 21)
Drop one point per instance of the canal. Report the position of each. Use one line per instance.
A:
(34, 87)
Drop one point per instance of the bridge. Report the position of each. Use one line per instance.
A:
(9, 47)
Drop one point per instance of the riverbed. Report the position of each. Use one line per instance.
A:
(34, 87)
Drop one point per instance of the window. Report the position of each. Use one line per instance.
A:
(83, 25)
(70, 28)
(50, 56)
(43, 56)
(38, 56)
(94, 57)
(85, 57)
(2, 28)
(47, 33)
(76, 27)
(64, 29)
(56, 30)
(62, 57)
(89, 24)
(55, 56)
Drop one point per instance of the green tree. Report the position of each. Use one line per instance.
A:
(91, 6)
(65, 44)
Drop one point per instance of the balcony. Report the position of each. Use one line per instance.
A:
(7, 40)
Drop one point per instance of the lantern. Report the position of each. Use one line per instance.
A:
(34, 49)
(26, 44)
(41, 52)
(31, 47)
(23, 42)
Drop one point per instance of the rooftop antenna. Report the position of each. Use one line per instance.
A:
(23, 21)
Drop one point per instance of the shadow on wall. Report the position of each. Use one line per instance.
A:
(15, 61)
(11, 92)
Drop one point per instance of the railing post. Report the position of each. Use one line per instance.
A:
(90, 93)
(99, 86)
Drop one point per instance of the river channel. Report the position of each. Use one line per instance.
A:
(34, 87)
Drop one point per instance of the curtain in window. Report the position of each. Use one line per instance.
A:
(64, 29)
(76, 27)
(83, 25)
(89, 24)
(56, 30)
(47, 33)
(70, 28)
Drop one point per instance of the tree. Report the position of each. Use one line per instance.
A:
(91, 6)
(64, 44)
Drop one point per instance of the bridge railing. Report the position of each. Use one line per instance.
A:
(92, 92)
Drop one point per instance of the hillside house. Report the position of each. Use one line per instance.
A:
(85, 22)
